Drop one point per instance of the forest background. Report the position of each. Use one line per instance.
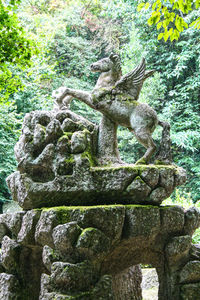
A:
(52, 43)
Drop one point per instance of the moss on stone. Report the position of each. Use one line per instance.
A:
(130, 206)
(90, 157)
(135, 168)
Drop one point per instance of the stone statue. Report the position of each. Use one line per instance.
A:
(115, 96)
(84, 226)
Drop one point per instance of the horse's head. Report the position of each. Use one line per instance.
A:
(107, 64)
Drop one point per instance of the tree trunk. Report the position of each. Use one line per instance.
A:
(127, 284)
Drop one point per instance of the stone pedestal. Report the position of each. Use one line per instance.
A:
(75, 252)
(84, 227)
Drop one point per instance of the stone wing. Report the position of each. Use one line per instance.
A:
(132, 82)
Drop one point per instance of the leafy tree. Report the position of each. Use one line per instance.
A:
(15, 48)
(170, 16)
(9, 133)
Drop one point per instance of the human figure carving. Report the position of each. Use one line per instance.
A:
(115, 96)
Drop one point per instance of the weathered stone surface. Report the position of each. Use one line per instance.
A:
(158, 195)
(43, 234)
(177, 250)
(57, 144)
(192, 220)
(26, 235)
(92, 242)
(172, 219)
(4, 231)
(9, 287)
(73, 277)
(84, 247)
(180, 176)
(78, 142)
(49, 256)
(138, 189)
(10, 224)
(190, 291)
(103, 289)
(45, 286)
(167, 179)
(142, 222)
(190, 272)
(150, 176)
(10, 254)
(195, 252)
(65, 236)
(109, 220)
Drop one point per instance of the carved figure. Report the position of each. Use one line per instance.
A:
(115, 96)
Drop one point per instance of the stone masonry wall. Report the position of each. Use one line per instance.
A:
(73, 252)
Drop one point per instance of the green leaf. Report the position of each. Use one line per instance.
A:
(147, 5)
(159, 25)
(150, 21)
(140, 6)
(160, 36)
(166, 35)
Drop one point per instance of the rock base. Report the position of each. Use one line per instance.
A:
(57, 165)
(75, 252)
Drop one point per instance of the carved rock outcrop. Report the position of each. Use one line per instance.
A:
(57, 165)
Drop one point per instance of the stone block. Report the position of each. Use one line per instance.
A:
(177, 251)
(190, 291)
(73, 277)
(190, 272)
(138, 189)
(167, 179)
(44, 228)
(92, 243)
(9, 287)
(109, 219)
(78, 142)
(10, 224)
(172, 219)
(10, 251)
(192, 220)
(150, 176)
(26, 236)
(142, 222)
(158, 195)
(65, 236)
(49, 256)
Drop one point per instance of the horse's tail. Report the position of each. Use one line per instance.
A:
(164, 153)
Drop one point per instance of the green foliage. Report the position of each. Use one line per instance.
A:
(170, 16)
(9, 133)
(15, 49)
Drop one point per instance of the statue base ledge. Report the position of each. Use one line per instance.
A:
(122, 184)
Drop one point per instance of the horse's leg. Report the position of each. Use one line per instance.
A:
(146, 140)
(107, 151)
(78, 94)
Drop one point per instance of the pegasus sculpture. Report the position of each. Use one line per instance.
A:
(115, 96)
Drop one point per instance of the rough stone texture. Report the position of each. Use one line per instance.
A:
(26, 235)
(190, 272)
(57, 165)
(127, 284)
(190, 291)
(65, 236)
(81, 252)
(192, 220)
(43, 232)
(10, 254)
(9, 287)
